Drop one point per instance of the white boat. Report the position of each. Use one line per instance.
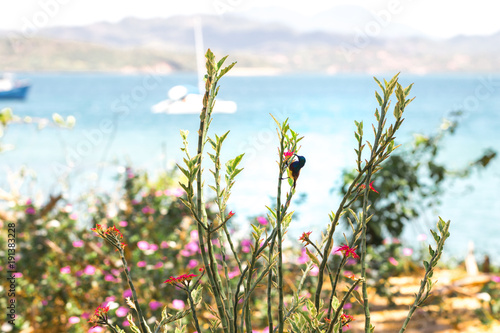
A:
(182, 99)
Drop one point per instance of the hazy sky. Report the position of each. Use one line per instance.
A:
(437, 18)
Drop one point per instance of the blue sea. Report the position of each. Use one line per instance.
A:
(115, 127)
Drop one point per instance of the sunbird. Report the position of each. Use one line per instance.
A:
(294, 169)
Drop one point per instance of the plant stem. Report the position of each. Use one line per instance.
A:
(193, 310)
(208, 260)
(142, 321)
(279, 218)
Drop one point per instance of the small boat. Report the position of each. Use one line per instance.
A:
(185, 99)
(13, 89)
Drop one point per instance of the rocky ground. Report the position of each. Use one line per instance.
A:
(452, 308)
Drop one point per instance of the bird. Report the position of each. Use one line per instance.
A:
(294, 169)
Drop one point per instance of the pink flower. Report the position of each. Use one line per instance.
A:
(143, 245)
(89, 270)
(154, 305)
(407, 251)
(495, 279)
(73, 320)
(153, 247)
(288, 154)
(30, 211)
(141, 264)
(148, 210)
(97, 329)
(421, 237)
(303, 258)
(158, 193)
(78, 243)
(393, 261)
(192, 247)
(246, 245)
(121, 311)
(127, 293)
(65, 270)
(158, 265)
(351, 261)
(233, 273)
(164, 245)
(314, 271)
(192, 263)
(246, 242)
(110, 299)
(194, 235)
(178, 304)
(45, 302)
(73, 216)
(123, 223)
(109, 277)
(177, 192)
(262, 220)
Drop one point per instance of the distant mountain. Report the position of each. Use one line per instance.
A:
(135, 44)
(227, 33)
(341, 19)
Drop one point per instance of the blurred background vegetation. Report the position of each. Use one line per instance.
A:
(66, 271)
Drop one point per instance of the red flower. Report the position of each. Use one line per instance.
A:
(230, 214)
(111, 234)
(182, 279)
(363, 186)
(346, 319)
(100, 316)
(288, 154)
(347, 251)
(305, 237)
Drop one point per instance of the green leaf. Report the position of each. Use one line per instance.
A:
(435, 236)
(358, 297)
(379, 84)
(335, 303)
(225, 70)
(184, 171)
(431, 251)
(407, 90)
(379, 99)
(221, 62)
(313, 257)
